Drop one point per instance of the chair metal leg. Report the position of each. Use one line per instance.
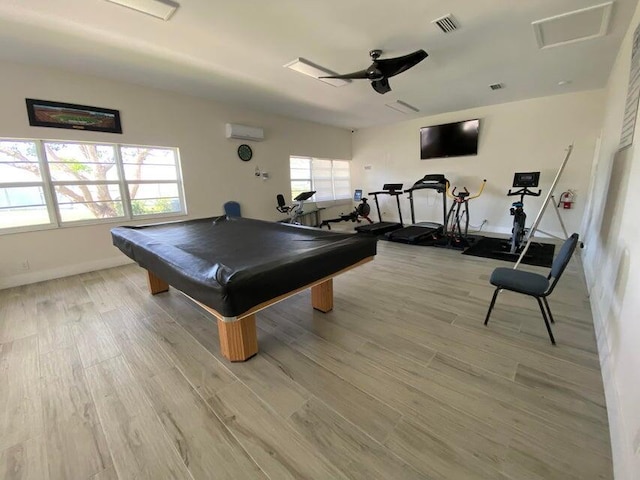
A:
(546, 322)
(546, 304)
(493, 302)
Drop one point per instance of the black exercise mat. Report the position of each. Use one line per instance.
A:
(539, 254)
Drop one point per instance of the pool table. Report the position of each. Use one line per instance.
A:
(234, 267)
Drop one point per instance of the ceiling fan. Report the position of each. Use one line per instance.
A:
(382, 69)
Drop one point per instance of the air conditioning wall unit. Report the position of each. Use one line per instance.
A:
(242, 132)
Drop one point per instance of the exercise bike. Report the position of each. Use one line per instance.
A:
(456, 236)
(524, 180)
(361, 211)
(294, 211)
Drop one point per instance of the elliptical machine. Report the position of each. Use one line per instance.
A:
(524, 180)
(457, 236)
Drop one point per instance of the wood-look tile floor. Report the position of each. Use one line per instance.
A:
(100, 380)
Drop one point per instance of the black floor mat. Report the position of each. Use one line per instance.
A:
(540, 254)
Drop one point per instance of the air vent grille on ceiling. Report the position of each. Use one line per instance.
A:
(496, 86)
(447, 23)
(402, 107)
(583, 24)
(162, 9)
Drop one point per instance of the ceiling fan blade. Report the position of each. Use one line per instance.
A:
(381, 86)
(393, 66)
(350, 76)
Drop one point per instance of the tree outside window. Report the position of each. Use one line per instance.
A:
(44, 182)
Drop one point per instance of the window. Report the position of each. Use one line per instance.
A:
(329, 178)
(22, 194)
(51, 183)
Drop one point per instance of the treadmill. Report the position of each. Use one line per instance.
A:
(423, 233)
(380, 228)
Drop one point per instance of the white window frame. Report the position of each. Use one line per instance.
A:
(48, 187)
(334, 200)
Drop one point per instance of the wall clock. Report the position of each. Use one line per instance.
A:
(244, 152)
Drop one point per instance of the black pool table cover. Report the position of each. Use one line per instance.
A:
(232, 264)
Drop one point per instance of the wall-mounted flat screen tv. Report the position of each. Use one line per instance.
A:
(449, 140)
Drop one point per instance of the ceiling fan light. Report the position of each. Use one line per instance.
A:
(381, 86)
(304, 66)
(162, 9)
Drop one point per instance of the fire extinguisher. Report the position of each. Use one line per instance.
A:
(566, 199)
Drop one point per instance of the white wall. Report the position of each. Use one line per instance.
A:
(612, 268)
(530, 135)
(211, 169)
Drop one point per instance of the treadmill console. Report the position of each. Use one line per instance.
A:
(434, 178)
(526, 179)
(392, 187)
(436, 182)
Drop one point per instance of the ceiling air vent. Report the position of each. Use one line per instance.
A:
(447, 23)
(402, 107)
(496, 86)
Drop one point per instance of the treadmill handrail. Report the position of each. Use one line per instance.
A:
(392, 193)
(439, 183)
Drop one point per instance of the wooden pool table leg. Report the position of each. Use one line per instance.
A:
(239, 339)
(156, 284)
(322, 296)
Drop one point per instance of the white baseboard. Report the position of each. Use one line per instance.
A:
(617, 432)
(59, 272)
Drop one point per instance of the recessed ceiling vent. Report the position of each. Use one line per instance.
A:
(402, 107)
(496, 86)
(583, 24)
(162, 9)
(447, 23)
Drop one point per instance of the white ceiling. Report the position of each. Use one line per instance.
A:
(234, 51)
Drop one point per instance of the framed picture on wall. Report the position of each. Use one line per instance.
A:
(43, 113)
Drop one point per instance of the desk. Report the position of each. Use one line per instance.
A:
(235, 267)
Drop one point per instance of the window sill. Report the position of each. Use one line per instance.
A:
(334, 203)
(91, 223)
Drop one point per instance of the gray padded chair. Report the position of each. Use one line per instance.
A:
(232, 209)
(533, 284)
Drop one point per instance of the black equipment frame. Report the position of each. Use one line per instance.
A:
(381, 227)
(518, 231)
(419, 232)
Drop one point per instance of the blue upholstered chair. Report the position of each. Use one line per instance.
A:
(232, 209)
(533, 284)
